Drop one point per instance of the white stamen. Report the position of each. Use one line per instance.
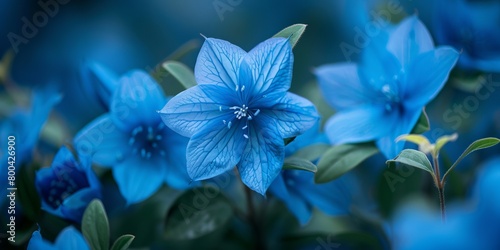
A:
(257, 112)
(229, 125)
(220, 108)
(249, 117)
(245, 127)
(237, 87)
(243, 89)
(246, 136)
(224, 121)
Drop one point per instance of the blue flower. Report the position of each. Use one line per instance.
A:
(133, 140)
(67, 187)
(383, 96)
(473, 224)
(68, 238)
(300, 194)
(240, 111)
(25, 126)
(471, 26)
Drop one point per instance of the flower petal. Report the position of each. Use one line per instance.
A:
(218, 63)
(138, 179)
(38, 243)
(215, 149)
(70, 238)
(294, 203)
(271, 63)
(427, 75)
(292, 115)
(361, 124)
(63, 155)
(263, 157)
(176, 175)
(102, 140)
(404, 125)
(191, 110)
(409, 39)
(73, 207)
(341, 86)
(136, 100)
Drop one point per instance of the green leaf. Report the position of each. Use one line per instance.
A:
(312, 152)
(477, 145)
(292, 33)
(95, 227)
(342, 158)
(123, 242)
(414, 158)
(299, 164)
(443, 140)
(198, 213)
(181, 72)
(422, 124)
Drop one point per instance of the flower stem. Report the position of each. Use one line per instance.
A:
(440, 187)
(252, 218)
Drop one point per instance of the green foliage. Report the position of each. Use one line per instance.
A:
(123, 242)
(293, 33)
(197, 213)
(414, 158)
(181, 72)
(299, 164)
(476, 145)
(95, 226)
(340, 159)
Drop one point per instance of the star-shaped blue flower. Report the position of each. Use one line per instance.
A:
(68, 238)
(240, 111)
(383, 96)
(133, 140)
(68, 186)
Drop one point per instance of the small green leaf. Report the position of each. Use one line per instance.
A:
(414, 158)
(299, 164)
(443, 140)
(95, 226)
(293, 33)
(181, 72)
(477, 145)
(422, 124)
(123, 242)
(342, 158)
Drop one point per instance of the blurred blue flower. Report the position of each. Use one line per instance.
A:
(471, 26)
(25, 126)
(133, 140)
(300, 194)
(67, 187)
(472, 225)
(69, 238)
(240, 111)
(98, 82)
(383, 96)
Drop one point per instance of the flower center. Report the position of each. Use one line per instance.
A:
(392, 98)
(145, 140)
(241, 112)
(67, 180)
